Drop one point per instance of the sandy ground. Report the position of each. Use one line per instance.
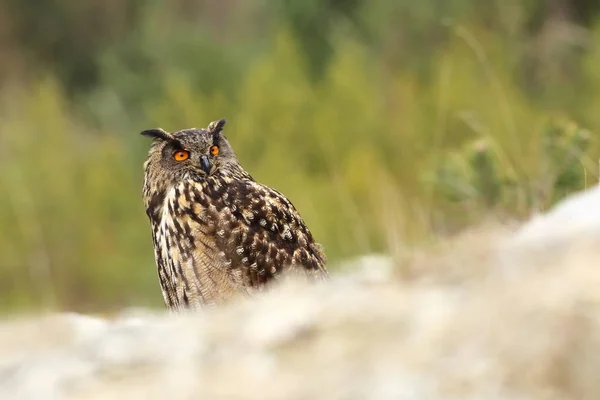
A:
(492, 314)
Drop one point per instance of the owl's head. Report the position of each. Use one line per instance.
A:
(189, 153)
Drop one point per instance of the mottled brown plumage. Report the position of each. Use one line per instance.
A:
(218, 233)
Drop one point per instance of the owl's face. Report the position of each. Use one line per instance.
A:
(188, 154)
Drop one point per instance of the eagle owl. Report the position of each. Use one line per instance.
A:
(217, 232)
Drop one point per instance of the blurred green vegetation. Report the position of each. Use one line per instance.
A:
(386, 122)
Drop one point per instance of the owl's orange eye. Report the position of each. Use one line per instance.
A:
(181, 155)
(214, 150)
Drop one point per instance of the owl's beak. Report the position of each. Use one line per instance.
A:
(205, 164)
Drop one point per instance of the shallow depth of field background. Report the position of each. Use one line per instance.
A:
(388, 123)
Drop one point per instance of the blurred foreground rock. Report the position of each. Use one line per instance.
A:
(522, 321)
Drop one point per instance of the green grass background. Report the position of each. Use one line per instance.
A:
(387, 123)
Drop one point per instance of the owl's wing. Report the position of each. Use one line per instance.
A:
(259, 234)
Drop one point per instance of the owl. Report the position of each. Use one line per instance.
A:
(217, 233)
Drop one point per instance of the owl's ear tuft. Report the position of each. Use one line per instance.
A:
(157, 133)
(215, 128)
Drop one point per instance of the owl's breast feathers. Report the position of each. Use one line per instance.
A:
(221, 236)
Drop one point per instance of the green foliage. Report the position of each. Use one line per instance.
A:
(405, 132)
(474, 175)
(71, 212)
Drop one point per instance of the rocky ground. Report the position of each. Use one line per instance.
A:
(495, 314)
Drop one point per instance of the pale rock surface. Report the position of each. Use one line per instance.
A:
(576, 216)
(521, 321)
